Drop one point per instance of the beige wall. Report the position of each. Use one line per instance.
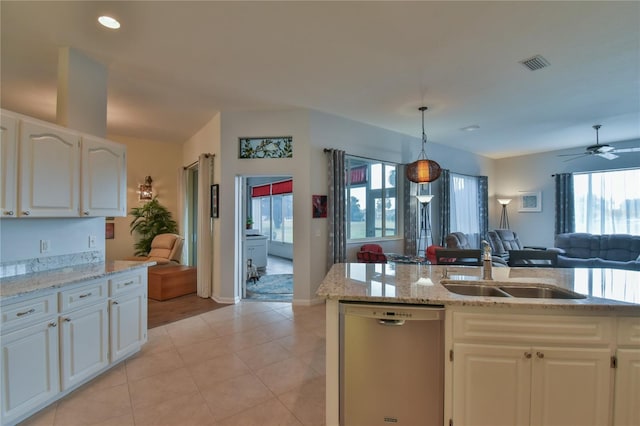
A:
(161, 161)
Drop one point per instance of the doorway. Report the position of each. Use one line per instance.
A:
(268, 238)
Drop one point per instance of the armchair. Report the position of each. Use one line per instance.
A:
(459, 240)
(165, 249)
(371, 253)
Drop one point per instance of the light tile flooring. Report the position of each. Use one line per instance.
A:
(254, 363)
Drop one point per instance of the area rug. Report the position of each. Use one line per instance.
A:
(277, 287)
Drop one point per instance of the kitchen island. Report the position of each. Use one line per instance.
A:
(511, 360)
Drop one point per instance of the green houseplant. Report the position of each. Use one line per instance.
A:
(148, 221)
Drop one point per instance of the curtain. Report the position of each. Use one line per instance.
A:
(565, 208)
(183, 208)
(445, 206)
(483, 207)
(205, 226)
(411, 211)
(336, 208)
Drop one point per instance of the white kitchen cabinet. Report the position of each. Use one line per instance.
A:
(8, 165)
(256, 250)
(30, 369)
(84, 343)
(128, 314)
(627, 408)
(49, 170)
(104, 177)
(520, 370)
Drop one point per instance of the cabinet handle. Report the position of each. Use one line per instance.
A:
(26, 213)
(82, 296)
(86, 213)
(67, 319)
(53, 324)
(115, 303)
(540, 355)
(9, 213)
(30, 311)
(527, 355)
(128, 283)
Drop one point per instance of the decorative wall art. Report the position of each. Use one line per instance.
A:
(319, 205)
(215, 202)
(266, 147)
(530, 202)
(109, 231)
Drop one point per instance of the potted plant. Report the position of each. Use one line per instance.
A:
(148, 221)
(249, 223)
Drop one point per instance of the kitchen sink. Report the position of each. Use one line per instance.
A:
(488, 288)
(541, 292)
(475, 290)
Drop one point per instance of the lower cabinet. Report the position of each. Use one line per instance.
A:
(30, 372)
(83, 344)
(54, 343)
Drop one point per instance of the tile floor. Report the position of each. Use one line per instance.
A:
(254, 363)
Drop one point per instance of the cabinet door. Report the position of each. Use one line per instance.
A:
(491, 385)
(104, 179)
(83, 344)
(627, 408)
(570, 386)
(49, 171)
(8, 166)
(29, 372)
(128, 324)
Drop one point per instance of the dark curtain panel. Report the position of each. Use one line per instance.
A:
(445, 205)
(410, 205)
(483, 206)
(336, 208)
(565, 208)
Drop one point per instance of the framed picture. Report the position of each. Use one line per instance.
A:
(109, 232)
(214, 200)
(266, 147)
(319, 205)
(530, 202)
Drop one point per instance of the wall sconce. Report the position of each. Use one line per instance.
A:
(146, 190)
(504, 219)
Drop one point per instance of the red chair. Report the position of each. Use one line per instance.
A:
(371, 253)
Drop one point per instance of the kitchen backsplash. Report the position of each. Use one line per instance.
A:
(40, 264)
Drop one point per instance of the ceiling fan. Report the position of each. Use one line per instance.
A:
(601, 150)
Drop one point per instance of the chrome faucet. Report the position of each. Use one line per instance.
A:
(487, 273)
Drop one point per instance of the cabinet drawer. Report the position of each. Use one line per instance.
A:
(124, 283)
(629, 331)
(533, 328)
(85, 295)
(28, 311)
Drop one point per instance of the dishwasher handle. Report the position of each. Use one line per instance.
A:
(391, 322)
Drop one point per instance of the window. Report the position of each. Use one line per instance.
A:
(272, 210)
(371, 199)
(465, 209)
(607, 202)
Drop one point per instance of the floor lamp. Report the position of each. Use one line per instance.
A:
(425, 224)
(504, 219)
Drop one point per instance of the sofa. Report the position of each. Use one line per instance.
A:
(460, 241)
(583, 250)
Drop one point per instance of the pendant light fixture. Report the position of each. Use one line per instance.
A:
(423, 170)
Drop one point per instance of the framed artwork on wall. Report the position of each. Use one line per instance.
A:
(319, 203)
(266, 147)
(530, 202)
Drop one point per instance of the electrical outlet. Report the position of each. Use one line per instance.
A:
(45, 246)
(92, 241)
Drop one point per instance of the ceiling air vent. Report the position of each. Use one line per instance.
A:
(535, 63)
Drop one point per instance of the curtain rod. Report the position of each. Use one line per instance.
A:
(190, 165)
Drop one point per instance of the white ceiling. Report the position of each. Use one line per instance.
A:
(174, 64)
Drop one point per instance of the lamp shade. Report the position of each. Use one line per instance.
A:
(504, 201)
(424, 199)
(423, 171)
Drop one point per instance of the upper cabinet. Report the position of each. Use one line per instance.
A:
(8, 165)
(62, 173)
(104, 177)
(49, 171)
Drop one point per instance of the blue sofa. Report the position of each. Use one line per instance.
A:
(582, 250)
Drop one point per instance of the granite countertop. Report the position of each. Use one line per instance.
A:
(36, 282)
(605, 289)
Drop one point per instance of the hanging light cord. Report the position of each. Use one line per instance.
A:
(423, 153)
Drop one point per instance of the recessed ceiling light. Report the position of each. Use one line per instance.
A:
(470, 128)
(109, 22)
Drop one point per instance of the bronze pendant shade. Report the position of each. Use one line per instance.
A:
(423, 170)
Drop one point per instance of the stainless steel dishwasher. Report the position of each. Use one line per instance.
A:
(391, 365)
